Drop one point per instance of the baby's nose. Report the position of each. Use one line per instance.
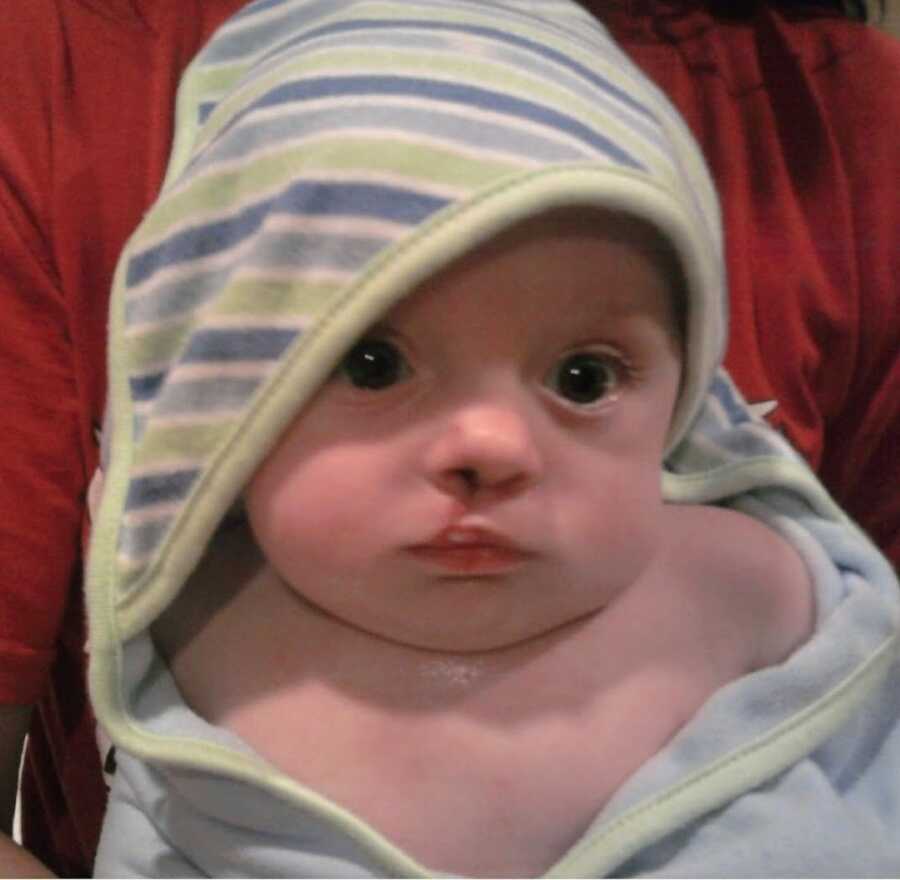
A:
(484, 448)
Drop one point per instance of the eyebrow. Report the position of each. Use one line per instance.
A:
(622, 306)
(379, 328)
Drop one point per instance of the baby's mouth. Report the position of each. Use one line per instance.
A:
(470, 551)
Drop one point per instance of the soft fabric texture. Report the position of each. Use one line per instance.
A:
(358, 150)
(329, 156)
(823, 354)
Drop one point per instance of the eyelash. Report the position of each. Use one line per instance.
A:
(583, 363)
(376, 364)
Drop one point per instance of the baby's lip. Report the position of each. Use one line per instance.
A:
(471, 536)
(471, 550)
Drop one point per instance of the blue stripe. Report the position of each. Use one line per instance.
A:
(237, 44)
(160, 488)
(285, 251)
(141, 540)
(198, 241)
(146, 386)
(258, 6)
(470, 96)
(240, 344)
(177, 299)
(500, 36)
(450, 125)
(205, 109)
(722, 391)
(309, 198)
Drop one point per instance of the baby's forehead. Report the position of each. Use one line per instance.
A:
(564, 265)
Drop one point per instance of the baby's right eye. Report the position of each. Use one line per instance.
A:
(374, 364)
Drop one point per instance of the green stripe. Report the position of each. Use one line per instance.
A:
(157, 346)
(249, 298)
(191, 440)
(416, 163)
(277, 298)
(316, 61)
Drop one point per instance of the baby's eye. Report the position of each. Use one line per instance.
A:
(374, 364)
(586, 377)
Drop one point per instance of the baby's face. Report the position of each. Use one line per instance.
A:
(485, 465)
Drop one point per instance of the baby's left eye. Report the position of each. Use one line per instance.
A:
(374, 364)
(585, 378)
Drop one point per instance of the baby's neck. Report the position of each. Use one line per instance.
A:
(408, 678)
(467, 744)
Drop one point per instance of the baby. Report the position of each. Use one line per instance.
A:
(432, 292)
(467, 584)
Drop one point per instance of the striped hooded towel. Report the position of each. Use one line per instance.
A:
(330, 155)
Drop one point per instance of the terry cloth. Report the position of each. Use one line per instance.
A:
(330, 155)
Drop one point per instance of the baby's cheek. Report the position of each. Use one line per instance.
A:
(296, 494)
(619, 527)
(309, 525)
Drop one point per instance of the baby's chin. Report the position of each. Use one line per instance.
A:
(463, 635)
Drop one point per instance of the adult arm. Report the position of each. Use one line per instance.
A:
(14, 861)
(18, 862)
(42, 466)
(87, 89)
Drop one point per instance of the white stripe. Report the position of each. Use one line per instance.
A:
(131, 565)
(339, 226)
(248, 20)
(231, 370)
(313, 276)
(400, 135)
(347, 224)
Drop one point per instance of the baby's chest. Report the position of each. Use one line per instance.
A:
(470, 765)
(506, 792)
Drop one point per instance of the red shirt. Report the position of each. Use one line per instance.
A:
(86, 98)
(796, 120)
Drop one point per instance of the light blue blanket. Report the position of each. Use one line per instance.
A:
(330, 154)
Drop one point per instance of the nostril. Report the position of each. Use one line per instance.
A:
(469, 477)
(478, 454)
